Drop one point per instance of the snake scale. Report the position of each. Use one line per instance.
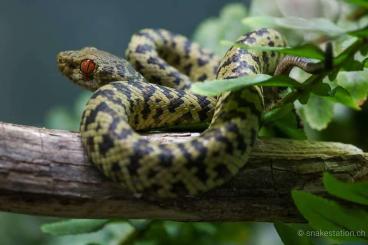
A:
(125, 102)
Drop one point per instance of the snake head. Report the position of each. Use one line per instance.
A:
(92, 68)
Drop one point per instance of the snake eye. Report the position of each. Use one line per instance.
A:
(87, 67)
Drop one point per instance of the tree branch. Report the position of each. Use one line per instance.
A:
(45, 172)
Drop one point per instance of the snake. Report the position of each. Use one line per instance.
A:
(151, 89)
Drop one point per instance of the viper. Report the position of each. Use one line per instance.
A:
(125, 102)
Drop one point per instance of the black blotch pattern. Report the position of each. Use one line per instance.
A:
(202, 62)
(240, 139)
(262, 32)
(158, 62)
(90, 143)
(149, 91)
(176, 76)
(159, 112)
(140, 149)
(159, 32)
(146, 35)
(93, 114)
(185, 152)
(241, 66)
(198, 160)
(176, 60)
(138, 65)
(125, 133)
(143, 48)
(173, 104)
(221, 138)
(250, 40)
(256, 59)
(166, 156)
(205, 106)
(106, 144)
(156, 79)
(202, 77)
(166, 92)
(265, 58)
(187, 69)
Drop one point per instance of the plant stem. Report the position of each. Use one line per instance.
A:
(318, 78)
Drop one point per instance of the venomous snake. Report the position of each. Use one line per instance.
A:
(125, 102)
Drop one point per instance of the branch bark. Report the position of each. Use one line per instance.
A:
(46, 172)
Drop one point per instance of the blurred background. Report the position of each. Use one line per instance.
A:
(33, 32)
(33, 92)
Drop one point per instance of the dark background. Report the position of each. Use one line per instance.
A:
(33, 32)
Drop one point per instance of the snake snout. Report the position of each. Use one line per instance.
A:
(65, 63)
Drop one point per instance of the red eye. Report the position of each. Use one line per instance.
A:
(87, 66)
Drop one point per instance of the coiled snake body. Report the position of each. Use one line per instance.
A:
(124, 101)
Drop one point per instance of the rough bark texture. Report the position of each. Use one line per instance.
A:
(46, 172)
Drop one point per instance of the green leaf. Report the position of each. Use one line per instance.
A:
(303, 99)
(364, 49)
(354, 192)
(362, 33)
(365, 63)
(327, 216)
(341, 95)
(321, 89)
(290, 236)
(352, 65)
(333, 74)
(356, 83)
(318, 112)
(74, 226)
(290, 131)
(227, 26)
(361, 3)
(277, 113)
(216, 87)
(307, 50)
(139, 224)
(311, 24)
(285, 121)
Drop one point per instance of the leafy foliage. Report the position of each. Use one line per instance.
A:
(341, 223)
(316, 24)
(216, 87)
(290, 236)
(74, 226)
(354, 192)
(313, 97)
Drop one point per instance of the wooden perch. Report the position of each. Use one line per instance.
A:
(46, 172)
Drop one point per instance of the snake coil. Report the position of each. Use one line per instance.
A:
(124, 102)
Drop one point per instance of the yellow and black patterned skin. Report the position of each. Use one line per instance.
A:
(125, 102)
(170, 59)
